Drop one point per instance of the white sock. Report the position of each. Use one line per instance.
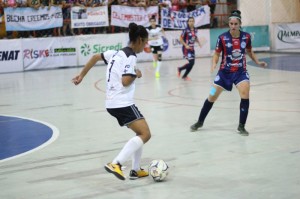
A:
(128, 150)
(136, 159)
(158, 66)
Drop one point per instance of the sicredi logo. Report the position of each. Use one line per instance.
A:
(85, 49)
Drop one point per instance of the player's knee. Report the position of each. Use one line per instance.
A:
(159, 57)
(212, 91)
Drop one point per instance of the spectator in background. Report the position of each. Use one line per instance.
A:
(179, 5)
(83, 4)
(1, 17)
(10, 4)
(139, 3)
(66, 10)
(46, 32)
(98, 3)
(23, 4)
(57, 3)
(193, 4)
(213, 21)
(165, 4)
(153, 2)
(35, 4)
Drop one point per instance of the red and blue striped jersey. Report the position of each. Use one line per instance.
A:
(233, 51)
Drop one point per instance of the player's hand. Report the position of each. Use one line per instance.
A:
(213, 67)
(76, 80)
(262, 64)
(138, 73)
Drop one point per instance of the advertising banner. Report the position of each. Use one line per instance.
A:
(45, 53)
(178, 20)
(89, 45)
(10, 56)
(23, 19)
(123, 15)
(89, 17)
(287, 36)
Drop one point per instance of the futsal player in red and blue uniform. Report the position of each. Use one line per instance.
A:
(187, 39)
(234, 45)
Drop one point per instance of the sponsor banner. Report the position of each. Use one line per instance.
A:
(89, 45)
(123, 15)
(178, 20)
(45, 53)
(89, 17)
(173, 47)
(259, 36)
(23, 19)
(11, 56)
(287, 36)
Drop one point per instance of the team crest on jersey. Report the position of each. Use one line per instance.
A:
(243, 44)
(228, 45)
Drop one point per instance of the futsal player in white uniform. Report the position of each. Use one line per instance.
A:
(120, 87)
(156, 42)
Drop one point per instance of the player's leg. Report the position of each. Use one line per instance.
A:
(159, 59)
(132, 118)
(141, 128)
(214, 93)
(155, 56)
(244, 90)
(188, 69)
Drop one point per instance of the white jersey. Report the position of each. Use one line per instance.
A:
(155, 32)
(107, 55)
(121, 63)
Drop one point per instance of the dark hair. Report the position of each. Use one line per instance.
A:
(152, 18)
(236, 14)
(136, 31)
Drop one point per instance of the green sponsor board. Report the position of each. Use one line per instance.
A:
(259, 35)
(64, 50)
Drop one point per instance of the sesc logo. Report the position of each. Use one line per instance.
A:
(85, 49)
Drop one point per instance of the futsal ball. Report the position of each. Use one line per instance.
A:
(158, 169)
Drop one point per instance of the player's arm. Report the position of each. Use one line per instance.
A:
(128, 79)
(252, 55)
(93, 60)
(215, 60)
(183, 43)
(197, 40)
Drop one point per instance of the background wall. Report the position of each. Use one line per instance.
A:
(267, 12)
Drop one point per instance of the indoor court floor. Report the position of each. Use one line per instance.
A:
(55, 137)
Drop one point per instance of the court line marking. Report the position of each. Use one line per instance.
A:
(54, 136)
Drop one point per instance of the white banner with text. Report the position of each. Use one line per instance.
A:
(123, 15)
(178, 20)
(89, 17)
(24, 19)
(287, 36)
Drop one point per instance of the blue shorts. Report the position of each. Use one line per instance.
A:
(125, 115)
(226, 79)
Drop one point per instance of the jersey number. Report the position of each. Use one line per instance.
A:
(111, 65)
